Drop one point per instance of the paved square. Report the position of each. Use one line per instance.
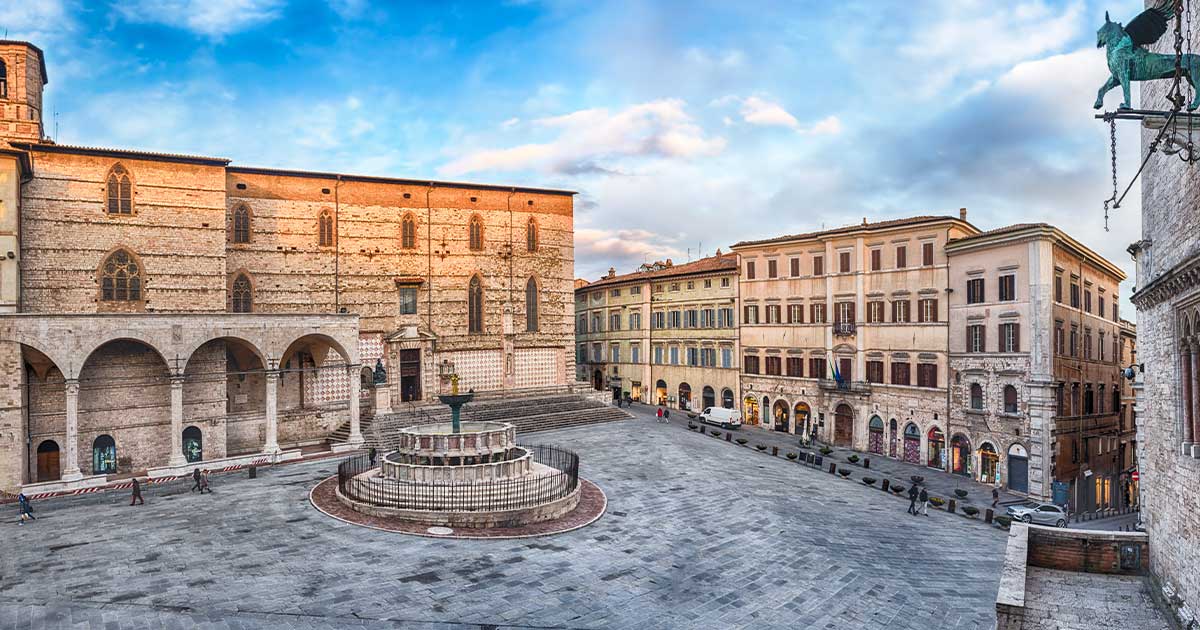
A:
(699, 534)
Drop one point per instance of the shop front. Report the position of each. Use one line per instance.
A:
(803, 417)
(937, 449)
(781, 416)
(960, 455)
(875, 435)
(912, 443)
(750, 411)
(989, 464)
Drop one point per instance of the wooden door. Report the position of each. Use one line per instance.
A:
(47, 464)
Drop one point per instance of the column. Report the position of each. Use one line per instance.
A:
(1195, 398)
(71, 470)
(271, 447)
(176, 458)
(354, 373)
(1186, 356)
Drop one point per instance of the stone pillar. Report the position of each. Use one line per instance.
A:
(1195, 400)
(1185, 357)
(176, 458)
(71, 470)
(355, 374)
(271, 447)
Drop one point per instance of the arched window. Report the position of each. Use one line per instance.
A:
(193, 444)
(3, 80)
(475, 233)
(241, 224)
(531, 306)
(120, 278)
(120, 191)
(104, 456)
(241, 294)
(976, 396)
(408, 231)
(475, 305)
(1010, 399)
(531, 235)
(325, 228)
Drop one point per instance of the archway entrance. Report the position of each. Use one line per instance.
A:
(685, 396)
(410, 375)
(750, 414)
(843, 426)
(989, 464)
(781, 414)
(960, 455)
(727, 398)
(660, 392)
(875, 435)
(912, 444)
(803, 419)
(193, 445)
(1018, 468)
(710, 397)
(937, 449)
(598, 380)
(892, 438)
(104, 455)
(48, 462)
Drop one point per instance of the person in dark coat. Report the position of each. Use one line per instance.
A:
(924, 499)
(912, 500)
(204, 482)
(372, 454)
(136, 497)
(995, 497)
(26, 508)
(196, 481)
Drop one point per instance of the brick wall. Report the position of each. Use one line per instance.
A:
(1086, 551)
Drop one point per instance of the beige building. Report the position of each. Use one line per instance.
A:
(665, 334)
(866, 302)
(166, 309)
(1035, 345)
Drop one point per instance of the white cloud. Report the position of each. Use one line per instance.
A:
(599, 140)
(829, 125)
(757, 111)
(37, 21)
(210, 18)
(510, 123)
(348, 9)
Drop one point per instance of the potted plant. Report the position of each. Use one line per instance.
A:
(970, 510)
(691, 426)
(844, 472)
(937, 502)
(962, 494)
(870, 481)
(791, 456)
(898, 489)
(825, 450)
(761, 447)
(1003, 521)
(715, 433)
(853, 459)
(917, 479)
(741, 441)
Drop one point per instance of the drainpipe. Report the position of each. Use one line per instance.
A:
(337, 246)
(429, 266)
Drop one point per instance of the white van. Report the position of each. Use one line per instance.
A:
(726, 418)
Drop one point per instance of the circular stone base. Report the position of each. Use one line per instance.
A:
(592, 503)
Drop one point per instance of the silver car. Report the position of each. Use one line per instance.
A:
(1039, 513)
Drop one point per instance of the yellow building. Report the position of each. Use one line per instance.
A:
(665, 334)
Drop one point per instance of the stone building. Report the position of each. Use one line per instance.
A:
(1035, 337)
(665, 334)
(1167, 297)
(844, 334)
(165, 309)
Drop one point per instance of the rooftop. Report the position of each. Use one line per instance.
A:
(1026, 230)
(704, 265)
(864, 226)
(41, 55)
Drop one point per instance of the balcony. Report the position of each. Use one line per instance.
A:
(844, 329)
(853, 387)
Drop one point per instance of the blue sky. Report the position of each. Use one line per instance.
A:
(686, 126)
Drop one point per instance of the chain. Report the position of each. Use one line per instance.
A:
(1112, 139)
(1175, 96)
(1189, 155)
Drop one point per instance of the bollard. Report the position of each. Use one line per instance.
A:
(867, 463)
(254, 472)
(950, 506)
(775, 451)
(885, 484)
(832, 467)
(728, 436)
(987, 516)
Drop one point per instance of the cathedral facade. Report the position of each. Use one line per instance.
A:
(160, 310)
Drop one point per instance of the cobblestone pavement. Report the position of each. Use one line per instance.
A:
(698, 534)
(1059, 600)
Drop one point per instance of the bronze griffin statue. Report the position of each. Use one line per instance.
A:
(1128, 60)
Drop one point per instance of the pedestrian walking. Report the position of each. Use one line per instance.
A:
(912, 500)
(372, 454)
(924, 499)
(26, 508)
(666, 415)
(196, 481)
(995, 496)
(658, 414)
(136, 497)
(204, 482)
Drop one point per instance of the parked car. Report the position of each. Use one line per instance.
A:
(725, 418)
(1039, 514)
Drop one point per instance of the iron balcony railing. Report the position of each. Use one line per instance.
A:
(859, 387)
(844, 329)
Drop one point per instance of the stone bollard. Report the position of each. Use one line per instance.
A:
(950, 506)
(867, 463)
(775, 451)
(886, 483)
(254, 472)
(728, 436)
(832, 468)
(987, 516)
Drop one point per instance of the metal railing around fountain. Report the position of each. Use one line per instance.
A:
(492, 495)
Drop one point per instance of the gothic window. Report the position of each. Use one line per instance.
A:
(408, 232)
(120, 191)
(325, 229)
(475, 233)
(241, 224)
(121, 278)
(1010, 399)
(241, 294)
(531, 235)
(976, 396)
(3, 80)
(475, 306)
(531, 305)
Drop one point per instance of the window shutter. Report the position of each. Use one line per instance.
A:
(1016, 336)
(852, 317)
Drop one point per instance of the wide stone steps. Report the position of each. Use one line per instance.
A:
(342, 433)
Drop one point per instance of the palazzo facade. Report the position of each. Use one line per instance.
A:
(159, 310)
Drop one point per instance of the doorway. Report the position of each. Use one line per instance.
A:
(193, 445)
(410, 375)
(48, 461)
(843, 426)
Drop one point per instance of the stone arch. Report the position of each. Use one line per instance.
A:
(190, 350)
(127, 334)
(64, 359)
(299, 342)
(960, 454)
(875, 435)
(843, 425)
(912, 443)
(123, 372)
(781, 415)
(708, 397)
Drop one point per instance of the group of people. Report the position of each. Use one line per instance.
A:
(664, 414)
(200, 481)
(915, 496)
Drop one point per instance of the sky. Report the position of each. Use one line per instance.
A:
(685, 126)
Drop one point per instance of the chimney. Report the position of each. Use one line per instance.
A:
(718, 252)
(612, 272)
(669, 263)
(962, 214)
(864, 220)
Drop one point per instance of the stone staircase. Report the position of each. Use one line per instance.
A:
(341, 434)
(532, 410)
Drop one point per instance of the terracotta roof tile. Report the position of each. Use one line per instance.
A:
(712, 263)
(850, 228)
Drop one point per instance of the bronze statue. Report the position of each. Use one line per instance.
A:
(1128, 60)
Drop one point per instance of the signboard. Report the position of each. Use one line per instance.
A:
(1135, 475)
